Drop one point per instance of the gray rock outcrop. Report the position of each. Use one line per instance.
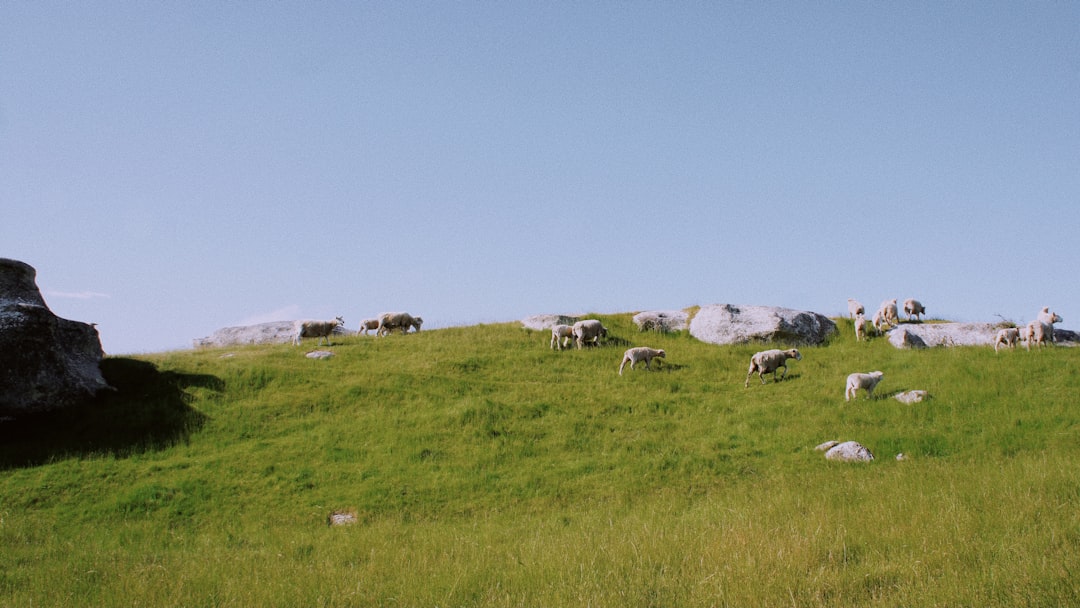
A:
(545, 322)
(275, 332)
(662, 320)
(923, 335)
(729, 324)
(849, 451)
(909, 397)
(46, 363)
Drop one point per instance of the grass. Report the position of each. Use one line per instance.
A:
(487, 470)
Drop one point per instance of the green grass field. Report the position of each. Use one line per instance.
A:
(485, 469)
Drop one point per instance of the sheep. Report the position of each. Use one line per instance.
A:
(367, 325)
(561, 336)
(770, 361)
(860, 327)
(914, 308)
(1048, 318)
(589, 330)
(887, 313)
(389, 321)
(1038, 333)
(641, 353)
(879, 321)
(1008, 337)
(316, 329)
(857, 381)
(854, 308)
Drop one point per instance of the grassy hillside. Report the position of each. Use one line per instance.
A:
(485, 469)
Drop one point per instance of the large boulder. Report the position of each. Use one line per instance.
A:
(922, 335)
(274, 332)
(729, 324)
(46, 363)
(544, 322)
(662, 320)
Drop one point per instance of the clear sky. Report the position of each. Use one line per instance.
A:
(171, 168)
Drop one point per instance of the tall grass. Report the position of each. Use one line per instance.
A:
(485, 469)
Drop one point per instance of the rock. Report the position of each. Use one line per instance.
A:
(923, 335)
(46, 362)
(275, 332)
(546, 322)
(849, 451)
(662, 320)
(319, 354)
(911, 396)
(728, 324)
(901, 457)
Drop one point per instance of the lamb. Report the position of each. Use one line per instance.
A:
(641, 353)
(770, 361)
(316, 329)
(1038, 333)
(854, 308)
(1008, 336)
(589, 330)
(886, 314)
(367, 325)
(914, 308)
(389, 321)
(860, 327)
(561, 336)
(857, 381)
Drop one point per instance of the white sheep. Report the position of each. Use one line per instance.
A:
(770, 361)
(1048, 318)
(367, 325)
(641, 353)
(316, 329)
(860, 327)
(1007, 337)
(856, 381)
(1038, 333)
(561, 336)
(854, 308)
(914, 308)
(887, 313)
(389, 321)
(589, 330)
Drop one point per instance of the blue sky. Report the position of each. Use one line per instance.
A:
(173, 168)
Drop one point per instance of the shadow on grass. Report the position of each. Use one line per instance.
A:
(147, 411)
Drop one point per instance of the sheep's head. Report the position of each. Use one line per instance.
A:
(661, 353)
(794, 354)
(340, 321)
(877, 376)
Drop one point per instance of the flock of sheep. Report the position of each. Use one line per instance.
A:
(773, 360)
(591, 331)
(383, 325)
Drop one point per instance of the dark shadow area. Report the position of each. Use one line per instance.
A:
(147, 411)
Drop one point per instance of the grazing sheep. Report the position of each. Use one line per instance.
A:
(316, 329)
(589, 330)
(389, 321)
(1025, 334)
(914, 308)
(854, 308)
(561, 336)
(857, 381)
(860, 327)
(641, 353)
(367, 325)
(770, 361)
(1008, 337)
(1048, 318)
(1038, 333)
